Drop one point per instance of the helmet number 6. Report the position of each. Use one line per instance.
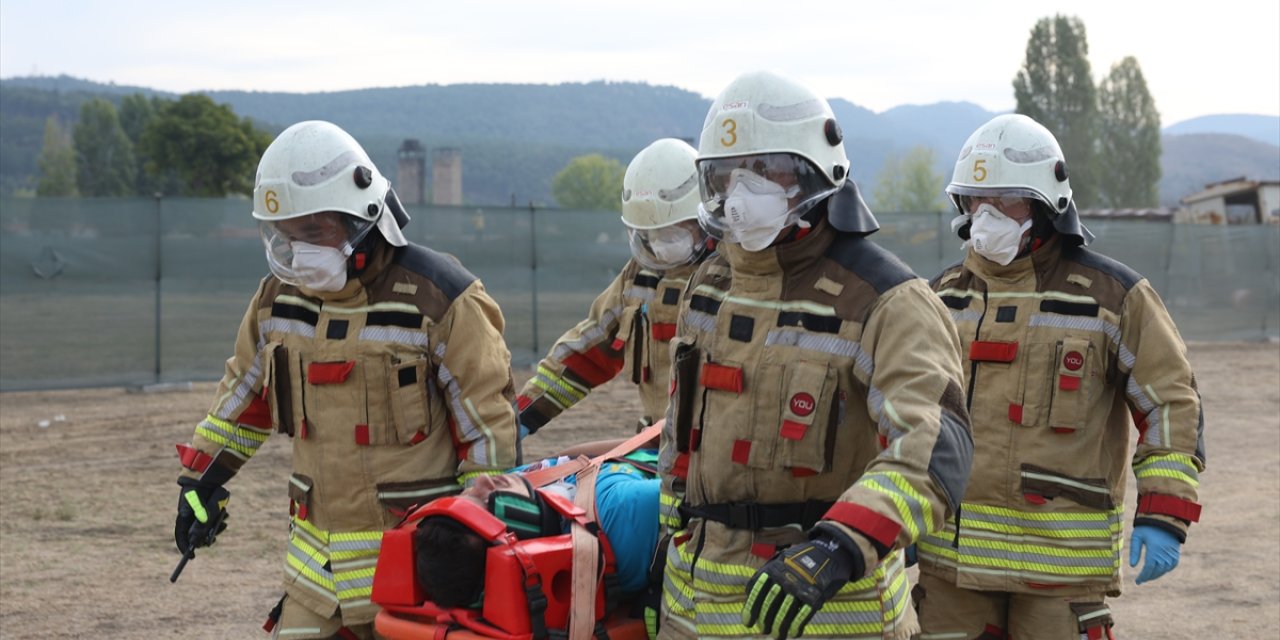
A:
(269, 198)
(979, 171)
(731, 132)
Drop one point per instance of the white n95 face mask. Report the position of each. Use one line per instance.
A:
(755, 209)
(996, 236)
(320, 268)
(674, 248)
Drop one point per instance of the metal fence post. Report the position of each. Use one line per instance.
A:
(159, 243)
(533, 272)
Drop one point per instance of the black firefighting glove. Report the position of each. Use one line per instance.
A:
(789, 589)
(202, 515)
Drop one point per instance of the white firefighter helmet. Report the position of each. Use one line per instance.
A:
(781, 131)
(1012, 155)
(660, 206)
(315, 167)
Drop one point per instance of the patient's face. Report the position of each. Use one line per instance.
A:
(483, 486)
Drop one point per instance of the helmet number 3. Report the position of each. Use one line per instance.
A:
(979, 171)
(273, 205)
(730, 137)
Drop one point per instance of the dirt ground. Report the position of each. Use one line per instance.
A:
(87, 504)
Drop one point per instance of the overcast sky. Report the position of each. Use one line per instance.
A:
(1198, 59)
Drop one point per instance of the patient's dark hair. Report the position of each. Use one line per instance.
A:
(450, 562)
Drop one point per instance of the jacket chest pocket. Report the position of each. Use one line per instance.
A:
(412, 398)
(1072, 384)
(1058, 380)
(806, 431)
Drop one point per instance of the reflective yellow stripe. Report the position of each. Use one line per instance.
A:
(357, 592)
(556, 391)
(238, 433)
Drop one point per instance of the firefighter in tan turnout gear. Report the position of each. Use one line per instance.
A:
(817, 426)
(631, 322)
(1066, 352)
(382, 360)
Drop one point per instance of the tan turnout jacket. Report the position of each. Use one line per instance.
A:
(1065, 350)
(393, 390)
(626, 331)
(819, 377)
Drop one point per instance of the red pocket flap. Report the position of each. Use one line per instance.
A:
(329, 372)
(982, 351)
(663, 331)
(721, 377)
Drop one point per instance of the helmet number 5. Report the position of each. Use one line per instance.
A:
(731, 132)
(979, 171)
(269, 199)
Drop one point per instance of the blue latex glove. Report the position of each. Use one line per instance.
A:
(1163, 551)
(522, 432)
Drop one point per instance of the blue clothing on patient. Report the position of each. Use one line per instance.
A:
(627, 509)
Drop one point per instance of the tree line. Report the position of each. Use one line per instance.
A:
(1110, 135)
(191, 146)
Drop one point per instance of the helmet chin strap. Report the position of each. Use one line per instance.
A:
(362, 253)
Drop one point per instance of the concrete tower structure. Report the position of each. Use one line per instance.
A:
(411, 172)
(446, 177)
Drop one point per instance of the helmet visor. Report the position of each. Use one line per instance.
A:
(326, 229)
(968, 198)
(674, 245)
(784, 175)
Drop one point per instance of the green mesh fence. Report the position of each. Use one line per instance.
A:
(104, 292)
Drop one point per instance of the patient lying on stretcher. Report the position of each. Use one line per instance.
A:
(450, 557)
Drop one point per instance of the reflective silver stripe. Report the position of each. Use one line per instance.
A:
(354, 583)
(588, 336)
(311, 563)
(466, 427)
(366, 546)
(813, 342)
(1154, 463)
(700, 320)
(286, 325)
(396, 335)
(639, 293)
(243, 389)
(967, 316)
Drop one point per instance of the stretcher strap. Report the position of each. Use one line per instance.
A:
(546, 475)
(586, 558)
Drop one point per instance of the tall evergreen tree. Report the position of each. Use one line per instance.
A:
(57, 161)
(908, 183)
(1129, 145)
(1055, 87)
(105, 165)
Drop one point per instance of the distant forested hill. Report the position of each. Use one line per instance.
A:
(515, 137)
(1193, 160)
